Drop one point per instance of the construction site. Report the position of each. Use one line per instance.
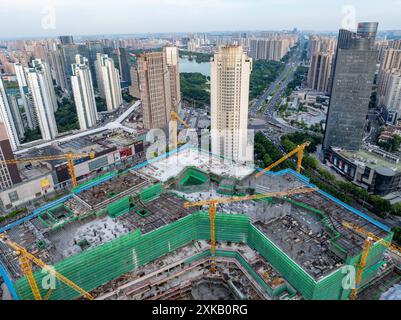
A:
(190, 225)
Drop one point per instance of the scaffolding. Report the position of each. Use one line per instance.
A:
(151, 193)
(101, 264)
(119, 208)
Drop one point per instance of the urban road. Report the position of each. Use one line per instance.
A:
(276, 91)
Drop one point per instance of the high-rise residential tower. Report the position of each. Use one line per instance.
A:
(320, 71)
(30, 114)
(154, 86)
(351, 88)
(124, 63)
(159, 86)
(172, 61)
(230, 75)
(108, 79)
(42, 90)
(134, 87)
(93, 48)
(66, 39)
(56, 62)
(392, 98)
(274, 47)
(390, 64)
(84, 96)
(69, 51)
(7, 118)
(9, 174)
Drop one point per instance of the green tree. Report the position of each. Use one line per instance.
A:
(263, 74)
(194, 88)
(380, 204)
(66, 116)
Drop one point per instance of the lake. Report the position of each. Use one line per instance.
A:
(193, 66)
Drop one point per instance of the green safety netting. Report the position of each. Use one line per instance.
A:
(151, 193)
(119, 207)
(193, 177)
(104, 263)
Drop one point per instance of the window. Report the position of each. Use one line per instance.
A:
(13, 196)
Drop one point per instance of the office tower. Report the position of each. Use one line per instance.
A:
(66, 40)
(390, 64)
(29, 114)
(154, 84)
(124, 63)
(351, 88)
(134, 87)
(172, 61)
(9, 174)
(7, 117)
(56, 63)
(320, 71)
(93, 48)
(229, 97)
(84, 96)
(392, 99)
(44, 98)
(108, 79)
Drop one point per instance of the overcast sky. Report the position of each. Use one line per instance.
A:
(19, 18)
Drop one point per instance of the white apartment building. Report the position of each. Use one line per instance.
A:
(44, 98)
(26, 101)
(390, 63)
(108, 79)
(392, 99)
(230, 74)
(84, 96)
(6, 117)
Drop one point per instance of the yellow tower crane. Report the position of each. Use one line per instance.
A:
(212, 203)
(70, 157)
(174, 118)
(370, 240)
(300, 154)
(26, 259)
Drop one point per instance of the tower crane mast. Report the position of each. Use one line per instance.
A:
(70, 157)
(370, 240)
(174, 118)
(300, 154)
(26, 259)
(212, 203)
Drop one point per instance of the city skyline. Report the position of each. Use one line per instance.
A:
(46, 18)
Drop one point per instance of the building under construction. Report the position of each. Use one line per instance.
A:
(127, 235)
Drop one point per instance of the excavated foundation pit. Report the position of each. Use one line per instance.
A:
(241, 275)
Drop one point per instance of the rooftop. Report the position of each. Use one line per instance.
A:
(373, 158)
